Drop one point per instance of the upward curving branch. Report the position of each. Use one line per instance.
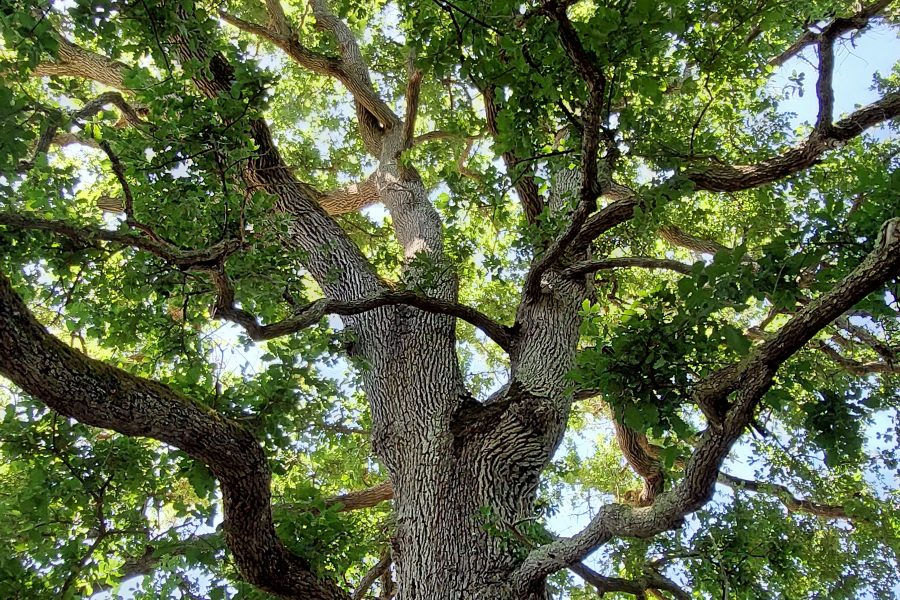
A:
(729, 399)
(103, 396)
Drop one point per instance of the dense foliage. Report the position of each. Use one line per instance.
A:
(807, 506)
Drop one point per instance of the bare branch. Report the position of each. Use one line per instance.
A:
(314, 312)
(353, 64)
(367, 498)
(461, 166)
(868, 338)
(277, 21)
(412, 107)
(75, 61)
(589, 266)
(637, 587)
(373, 575)
(675, 236)
(433, 135)
(317, 63)
(837, 28)
(857, 367)
(793, 504)
(350, 198)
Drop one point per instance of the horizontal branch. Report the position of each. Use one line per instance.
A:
(589, 266)
(358, 500)
(314, 312)
(638, 586)
(435, 135)
(89, 235)
(75, 61)
(350, 198)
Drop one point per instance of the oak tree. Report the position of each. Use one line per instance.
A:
(267, 266)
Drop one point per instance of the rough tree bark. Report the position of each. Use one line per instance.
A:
(448, 455)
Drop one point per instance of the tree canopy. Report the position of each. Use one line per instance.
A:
(337, 299)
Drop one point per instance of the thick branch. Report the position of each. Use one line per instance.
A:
(748, 381)
(620, 210)
(868, 338)
(433, 135)
(350, 198)
(102, 396)
(353, 64)
(314, 312)
(366, 498)
(675, 236)
(734, 178)
(858, 367)
(593, 77)
(75, 61)
(589, 191)
(413, 87)
(277, 20)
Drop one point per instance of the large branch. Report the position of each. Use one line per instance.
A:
(329, 250)
(314, 312)
(590, 189)
(359, 86)
(857, 367)
(350, 198)
(331, 256)
(729, 398)
(734, 178)
(75, 61)
(100, 395)
(352, 59)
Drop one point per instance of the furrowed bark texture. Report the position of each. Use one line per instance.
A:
(450, 457)
(102, 396)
